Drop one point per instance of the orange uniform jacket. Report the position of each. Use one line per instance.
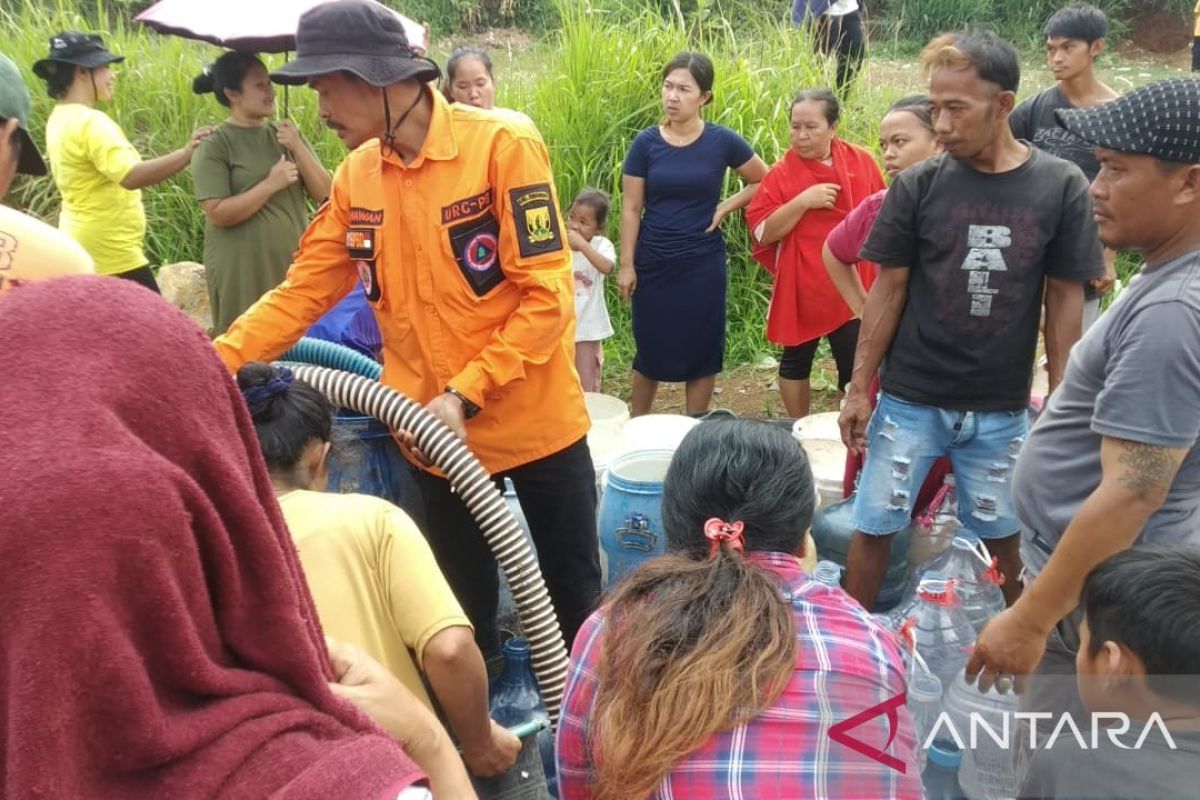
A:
(463, 257)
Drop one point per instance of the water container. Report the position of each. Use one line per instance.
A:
(987, 766)
(941, 774)
(515, 700)
(968, 562)
(828, 573)
(820, 437)
(365, 459)
(940, 631)
(652, 432)
(934, 528)
(832, 531)
(630, 514)
(924, 704)
(608, 415)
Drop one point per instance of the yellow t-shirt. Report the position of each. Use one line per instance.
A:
(89, 157)
(373, 578)
(31, 250)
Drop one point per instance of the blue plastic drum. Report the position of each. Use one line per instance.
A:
(630, 516)
(365, 460)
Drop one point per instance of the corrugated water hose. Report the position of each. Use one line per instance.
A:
(331, 354)
(548, 653)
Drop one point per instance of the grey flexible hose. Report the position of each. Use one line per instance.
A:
(548, 653)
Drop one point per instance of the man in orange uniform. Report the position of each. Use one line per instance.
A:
(448, 216)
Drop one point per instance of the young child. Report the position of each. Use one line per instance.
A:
(594, 258)
(1139, 655)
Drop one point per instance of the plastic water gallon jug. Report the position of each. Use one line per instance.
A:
(940, 631)
(832, 532)
(935, 527)
(924, 704)
(365, 459)
(941, 773)
(514, 701)
(630, 514)
(987, 766)
(978, 580)
(828, 573)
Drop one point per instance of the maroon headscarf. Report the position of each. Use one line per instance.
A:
(157, 638)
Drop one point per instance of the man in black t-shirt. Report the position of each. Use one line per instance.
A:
(969, 244)
(1074, 39)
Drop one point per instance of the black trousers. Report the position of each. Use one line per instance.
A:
(842, 36)
(142, 275)
(796, 362)
(558, 496)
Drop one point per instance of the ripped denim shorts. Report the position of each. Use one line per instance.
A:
(903, 441)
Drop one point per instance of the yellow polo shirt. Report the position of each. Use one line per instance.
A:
(89, 157)
(464, 260)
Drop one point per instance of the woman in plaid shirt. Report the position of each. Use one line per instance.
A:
(695, 681)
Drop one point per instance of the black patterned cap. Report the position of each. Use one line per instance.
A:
(1160, 119)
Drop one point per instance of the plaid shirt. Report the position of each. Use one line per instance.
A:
(845, 664)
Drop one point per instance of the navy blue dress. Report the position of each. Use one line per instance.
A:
(679, 302)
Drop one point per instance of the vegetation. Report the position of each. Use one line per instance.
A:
(590, 84)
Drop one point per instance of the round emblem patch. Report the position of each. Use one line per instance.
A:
(480, 252)
(364, 275)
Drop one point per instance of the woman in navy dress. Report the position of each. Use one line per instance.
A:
(672, 250)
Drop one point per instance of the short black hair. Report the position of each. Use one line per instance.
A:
(1078, 21)
(596, 200)
(833, 109)
(1148, 599)
(698, 65)
(740, 471)
(227, 72)
(286, 420)
(992, 58)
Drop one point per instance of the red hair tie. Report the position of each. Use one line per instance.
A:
(717, 530)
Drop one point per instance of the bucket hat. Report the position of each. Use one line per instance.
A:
(1160, 119)
(357, 36)
(14, 104)
(85, 50)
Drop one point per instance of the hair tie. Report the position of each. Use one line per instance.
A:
(717, 530)
(258, 395)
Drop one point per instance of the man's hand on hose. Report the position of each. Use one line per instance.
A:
(449, 409)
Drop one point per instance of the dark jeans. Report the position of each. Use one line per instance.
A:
(558, 496)
(143, 275)
(842, 36)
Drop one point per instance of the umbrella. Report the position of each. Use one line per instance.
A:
(259, 26)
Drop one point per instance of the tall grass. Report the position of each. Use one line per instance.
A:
(914, 22)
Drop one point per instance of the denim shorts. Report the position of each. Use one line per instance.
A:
(903, 441)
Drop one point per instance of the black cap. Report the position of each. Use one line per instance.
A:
(85, 50)
(1160, 119)
(358, 36)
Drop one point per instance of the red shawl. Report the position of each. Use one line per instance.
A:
(158, 639)
(804, 303)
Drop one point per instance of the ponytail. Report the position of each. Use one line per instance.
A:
(693, 647)
(227, 72)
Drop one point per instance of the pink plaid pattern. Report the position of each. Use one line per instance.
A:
(845, 664)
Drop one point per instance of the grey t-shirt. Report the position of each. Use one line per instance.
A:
(979, 247)
(1135, 375)
(1108, 772)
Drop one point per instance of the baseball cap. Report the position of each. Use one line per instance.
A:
(14, 104)
(357, 36)
(1160, 119)
(85, 50)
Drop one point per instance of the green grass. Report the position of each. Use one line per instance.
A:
(590, 85)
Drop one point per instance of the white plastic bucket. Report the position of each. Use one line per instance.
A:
(606, 410)
(818, 426)
(652, 432)
(827, 457)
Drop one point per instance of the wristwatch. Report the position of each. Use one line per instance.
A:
(469, 408)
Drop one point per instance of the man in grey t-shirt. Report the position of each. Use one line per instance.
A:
(1114, 459)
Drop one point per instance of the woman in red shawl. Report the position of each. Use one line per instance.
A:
(158, 639)
(813, 187)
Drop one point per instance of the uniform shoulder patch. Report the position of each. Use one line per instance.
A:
(536, 219)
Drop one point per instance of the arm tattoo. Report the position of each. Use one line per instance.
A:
(1147, 467)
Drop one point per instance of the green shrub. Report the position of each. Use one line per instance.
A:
(914, 22)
